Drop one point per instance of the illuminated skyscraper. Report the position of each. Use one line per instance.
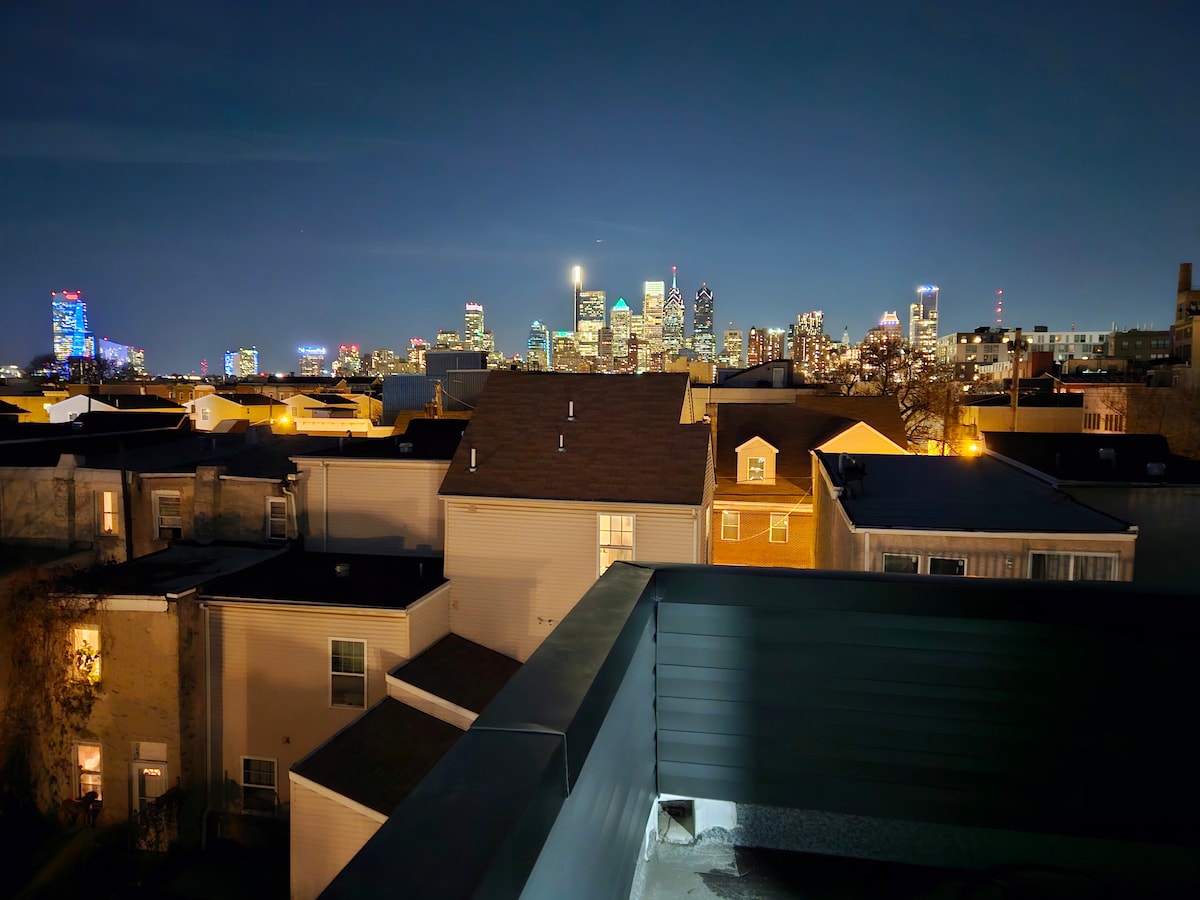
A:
(349, 361)
(312, 360)
(809, 344)
(923, 321)
(538, 351)
(703, 339)
(775, 344)
(589, 318)
(652, 315)
(473, 327)
(621, 320)
(731, 349)
(887, 331)
(673, 315)
(241, 363)
(69, 319)
(417, 348)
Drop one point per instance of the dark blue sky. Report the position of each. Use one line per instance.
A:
(219, 174)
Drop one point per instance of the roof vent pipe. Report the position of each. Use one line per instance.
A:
(472, 467)
(341, 570)
(562, 444)
(570, 410)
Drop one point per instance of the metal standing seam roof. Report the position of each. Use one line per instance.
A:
(959, 493)
(621, 440)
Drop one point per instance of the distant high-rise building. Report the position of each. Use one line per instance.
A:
(383, 362)
(923, 321)
(417, 347)
(312, 360)
(448, 340)
(564, 353)
(121, 356)
(703, 339)
(473, 327)
(652, 315)
(756, 346)
(348, 362)
(538, 356)
(775, 344)
(888, 330)
(673, 317)
(620, 319)
(589, 314)
(70, 326)
(241, 363)
(577, 287)
(731, 349)
(809, 345)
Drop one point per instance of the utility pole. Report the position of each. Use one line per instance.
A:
(1017, 346)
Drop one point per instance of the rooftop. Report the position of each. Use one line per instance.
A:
(423, 439)
(335, 579)
(956, 493)
(381, 756)
(248, 399)
(1028, 400)
(621, 440)
(465, 673)
(181, 567)
(1118, 458)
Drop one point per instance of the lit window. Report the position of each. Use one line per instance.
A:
(85, 653)
(168, 514)
(277, 519)
(107, 512)
(902, 563)
(87, 757)
(205, 414)
(1072, 566)
(947, 565)
(731, 525)
(756, 468)
(348, 673)
(616, 540)
(779, 528)
(258, 785)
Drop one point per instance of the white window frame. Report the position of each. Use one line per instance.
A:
(272, 519)
(610, 541)
(1074, 555)
(107, 520)
(961, 559)
(161, 521)
(778, 523)
(333, 673)
(205, 414)
(89, 779)
(263, 788)
(912, 556)
(731, 524)
(753, 472)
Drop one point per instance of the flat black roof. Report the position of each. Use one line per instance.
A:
(384, 582)
(181, 567)
(424, 439)
(381, 756)
(465, 673)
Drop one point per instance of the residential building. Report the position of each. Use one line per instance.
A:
(531, 523)
(336, 414)
(70, 409)
(379, 496)
(923, 322)
(1139, 347)
(1067, 345)
(220, 412)
(906, 514)
(1061, 413)
(311, 361)
(241, 363)
(1184, 344)
(967, 351)
(762, 508)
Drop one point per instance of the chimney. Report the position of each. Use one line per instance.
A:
(1185, 277)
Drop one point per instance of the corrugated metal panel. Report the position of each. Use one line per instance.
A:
(272, 671)
(403, 392)
(325, 835)
(462, 387)
(910, 698)
(517, 569)
(373, 509)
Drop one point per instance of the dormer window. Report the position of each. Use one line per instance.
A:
(756, 462)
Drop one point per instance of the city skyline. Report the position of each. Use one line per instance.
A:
(303, 191)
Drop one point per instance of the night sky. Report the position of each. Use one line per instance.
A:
(220, 174)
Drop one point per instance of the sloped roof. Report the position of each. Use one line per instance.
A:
(1077, 457)
(329, 399)
(424, 439)
(456, 669)
(130, 401)
(881, 413)
(10, 409)
(1040, 400)
(789, 429)
(624, 445)
(959, 493)
(381, 756)
(249, 399)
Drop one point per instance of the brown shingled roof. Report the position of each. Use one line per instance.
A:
(626, 443)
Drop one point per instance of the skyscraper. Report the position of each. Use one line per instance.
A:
(809, 343)
(589, 319)
(731, 349)
(652, 315)
(620, 319)
(241, 363)
(923, 321)
(349, 361)
(538, 356)
(673, 315)
(703, 339)
(70, 326)
(312, 360)
(473, 327)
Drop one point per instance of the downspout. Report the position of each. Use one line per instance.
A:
(207, 729)
(325, 506)
(126, 501)
(866, 551)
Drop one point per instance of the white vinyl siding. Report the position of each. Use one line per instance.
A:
(273, 668)
(374, 508)
(325, 835)
(517, 567)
